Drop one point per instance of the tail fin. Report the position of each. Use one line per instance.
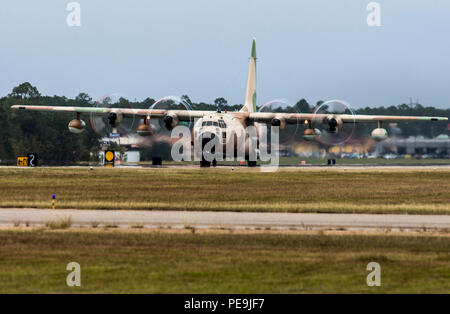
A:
(250, 95)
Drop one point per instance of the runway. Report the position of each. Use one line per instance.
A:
(314, 167)
(236, 220)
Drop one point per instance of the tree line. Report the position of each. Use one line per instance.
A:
(46, 133)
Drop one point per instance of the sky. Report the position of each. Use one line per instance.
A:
(312, 49)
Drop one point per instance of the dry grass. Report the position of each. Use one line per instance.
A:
(60, 223)
(175, 262)
(320, 190)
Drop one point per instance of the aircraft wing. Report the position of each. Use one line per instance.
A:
(261, 117)
(300, 118)
(183, 115)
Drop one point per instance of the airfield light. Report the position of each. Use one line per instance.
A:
(53, 201)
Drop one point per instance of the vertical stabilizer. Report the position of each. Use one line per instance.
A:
(250, 94)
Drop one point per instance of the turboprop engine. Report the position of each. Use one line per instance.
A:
(379, 134)
(333, 123)
(170, 121)
(280, 122)
(114, 118)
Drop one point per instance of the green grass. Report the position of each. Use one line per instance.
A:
(156, 262)
(288, 190)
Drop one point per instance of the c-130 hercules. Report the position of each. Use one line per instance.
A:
(218, 124)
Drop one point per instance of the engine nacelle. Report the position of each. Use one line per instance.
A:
(334, 123)
(280, 122)
(114, 118)
(311, 134)
(379, 134)
(76, 126)
(170, 121)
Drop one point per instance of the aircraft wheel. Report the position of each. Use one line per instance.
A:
(205, 164)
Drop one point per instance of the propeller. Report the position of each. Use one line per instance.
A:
(289, 131)
(113, 124)
(161, 127)
(330, 129)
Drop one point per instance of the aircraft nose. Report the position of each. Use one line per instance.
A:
(207, 136)
(210, 131)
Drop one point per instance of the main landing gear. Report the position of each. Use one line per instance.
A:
(206, 164)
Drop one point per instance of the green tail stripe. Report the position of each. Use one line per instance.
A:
(254, 49)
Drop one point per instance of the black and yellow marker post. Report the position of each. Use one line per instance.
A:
(53, 201)
(109, 158)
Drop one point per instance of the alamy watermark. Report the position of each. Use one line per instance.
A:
(374, 277)
(374, 16)
(74, 17)
(73, 279)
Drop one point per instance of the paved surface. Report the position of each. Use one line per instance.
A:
(224, 219)
(356, 167)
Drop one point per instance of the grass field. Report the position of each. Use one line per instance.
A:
(174, 262)
(366, 161)
(288, 190)
(339, 161)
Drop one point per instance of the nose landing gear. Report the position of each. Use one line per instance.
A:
(204, 163)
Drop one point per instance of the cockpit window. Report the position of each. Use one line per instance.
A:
(221, 123)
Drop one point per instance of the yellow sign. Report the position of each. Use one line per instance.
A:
(22, 161)
(109, 165)
(109, 156)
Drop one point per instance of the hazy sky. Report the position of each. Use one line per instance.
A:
(313, 49)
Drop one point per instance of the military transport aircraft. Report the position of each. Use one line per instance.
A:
(218, 124)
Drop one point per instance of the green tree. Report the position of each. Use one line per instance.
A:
(186, 100)
(220, 102)
(25, 90)
(302, 106)
(83, 99)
